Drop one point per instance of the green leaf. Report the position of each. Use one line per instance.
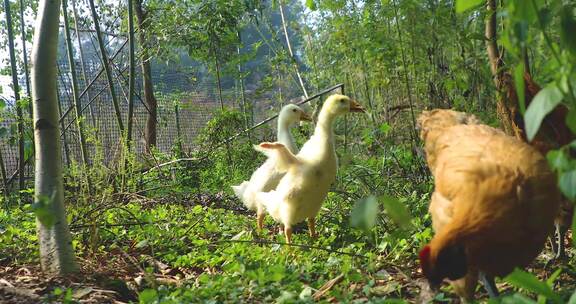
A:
(364, 213)
(148, 296)
(42, 208)
(2, 102)
(311, 4)
(385, 128)
(464, 5)
(544, 102)
(567, 184)
(573, 297)
(558, 160)
(397, 211)
(528, 281)
(520, 85)
(142, 244)
(3, 132)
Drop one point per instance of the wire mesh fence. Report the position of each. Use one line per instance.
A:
(197, 102)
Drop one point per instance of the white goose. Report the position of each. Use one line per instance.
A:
(309, 174)
(266, 177)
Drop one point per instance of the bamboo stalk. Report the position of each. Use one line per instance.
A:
(76, 100)
(16, 87)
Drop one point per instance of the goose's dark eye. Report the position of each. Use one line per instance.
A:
(342, 100)
(294, 110)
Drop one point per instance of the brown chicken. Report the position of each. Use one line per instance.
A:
(493, 206)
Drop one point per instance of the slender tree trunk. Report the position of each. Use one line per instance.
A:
(505, 109)
(77, 104)
(292, 58)
(24, 53)
(82, 62)
(407, 81)
(178, 130)
(219, 84)
(16, 87)
(3, 173)
(242, 95)
(150, 131)
(131, 73)
(56, 253)
(63, 127)
(106, 66)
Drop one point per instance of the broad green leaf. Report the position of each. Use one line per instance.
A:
(544, 102)
(311, 4)
(567, 183)
(397, 211)
(464, 5)
(573, 297)
(528, 281)
(520, 85)
(148, 296)
(516, 299)
(2, 102)
(142, 244)
(558, 160)
(364, 214)
(42, 208)
(3, 132)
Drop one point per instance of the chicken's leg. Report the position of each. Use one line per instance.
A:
(260, 220)
(560, 235)
(288, 234)
(489, 285)
(312, 227)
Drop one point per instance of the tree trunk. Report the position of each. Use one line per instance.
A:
(243, 103)
(3, 175)
(77, 104)
(16, 87)
(292, 58)
(106, 66)
(82, 62)
(506, 109)
(132, 73)
(56, 253)
(24, 53)
(149, 99)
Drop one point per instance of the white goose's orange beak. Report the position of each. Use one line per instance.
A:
(356, 107)
(305, 117)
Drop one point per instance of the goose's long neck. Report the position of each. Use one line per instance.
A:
(285, 137)
(325, 126)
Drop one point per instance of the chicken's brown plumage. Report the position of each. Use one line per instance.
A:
(494, 201)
